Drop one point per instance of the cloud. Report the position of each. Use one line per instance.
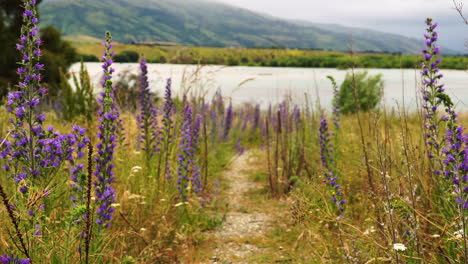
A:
(404, 17)
(338, 10)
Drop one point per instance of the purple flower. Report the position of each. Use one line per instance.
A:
(256, 119)
(228, 121)
(49, 149)
(166, 136)
(453, 152)
(39, 66)
(188, 171)
(328, 164)
(107, 135)
(28, 13)
(432, 92)
(12, 259)
(336, 118)
(147, 118)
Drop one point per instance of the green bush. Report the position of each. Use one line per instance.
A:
(127, 56)
(360, 92)
(88, 58)
(77, 101)
(58, 54)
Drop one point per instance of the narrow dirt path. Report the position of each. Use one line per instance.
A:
(244, 222)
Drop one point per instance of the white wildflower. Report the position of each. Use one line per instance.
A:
(458, 234)
(136, 169)
(370, 230)
(135, 196)
(399, 247)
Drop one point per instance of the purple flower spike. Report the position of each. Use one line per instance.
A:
(188, 171)
(108, 123)
(228, 121)
(32, 150)
(328, 164)
(452, 154)
(147, 118)
(432, 92)
(336, 118)
(166, 136)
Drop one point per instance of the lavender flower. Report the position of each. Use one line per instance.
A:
(184, 158)
(454, 153)
(336, 118)
(21, 150)
(167, 129)
(296, 116)
(228, 121)
(434, 96)
(326, 150)
(33, 151)
(107, 135)
(188, 170)
(78, 175)
(168, 123)
(147, 119)
(195, 178)
(12, 259)
(432, 92)
(216, 116)
(218, 101)
(456, 158)
(326, 147)
(256, 119)
(247, 118)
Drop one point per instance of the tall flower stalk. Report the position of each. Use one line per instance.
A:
(336, 117)
(432, 92)
(147, 118)
(256, 119)
(33, 154)
(326, 149)
(196, 179)
(328, 164)
(188, 170)
(166, 136)
(107, 135)
(228, 121)
(184, 158)
(453, 152)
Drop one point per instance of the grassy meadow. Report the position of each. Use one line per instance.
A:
(120, 174)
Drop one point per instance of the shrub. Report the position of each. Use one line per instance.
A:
(127, 56)
(79, 101)
(58, 54)
(360, 92)
(89, 58)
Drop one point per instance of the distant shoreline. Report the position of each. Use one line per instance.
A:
(91, 51)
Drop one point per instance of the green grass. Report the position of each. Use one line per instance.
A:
(268, 57)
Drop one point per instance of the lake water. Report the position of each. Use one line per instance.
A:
(266, 85)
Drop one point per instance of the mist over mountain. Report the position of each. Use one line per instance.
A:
(208, 23)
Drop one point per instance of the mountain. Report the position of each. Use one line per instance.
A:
(205, 23)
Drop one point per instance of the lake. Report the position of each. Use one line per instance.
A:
(266, 85)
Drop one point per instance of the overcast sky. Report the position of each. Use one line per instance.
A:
(397, 16)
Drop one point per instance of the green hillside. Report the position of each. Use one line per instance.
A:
(202, 23)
